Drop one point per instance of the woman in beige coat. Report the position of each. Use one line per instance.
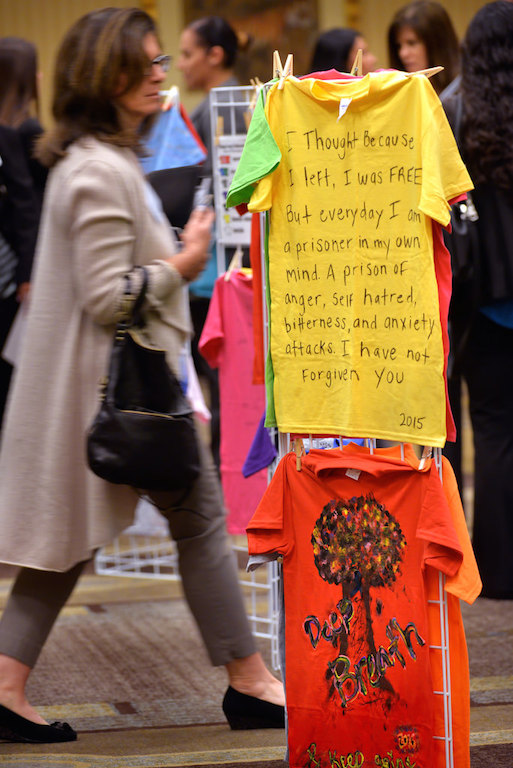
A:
(101, 219)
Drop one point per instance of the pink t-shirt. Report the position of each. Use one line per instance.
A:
(226, 343)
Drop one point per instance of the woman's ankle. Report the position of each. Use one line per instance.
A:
(13, 678)
(250, 676)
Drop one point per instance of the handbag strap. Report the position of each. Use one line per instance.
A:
(131, 307)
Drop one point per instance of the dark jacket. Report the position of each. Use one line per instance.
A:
(494, 226)
(29, 131)
(19, 210)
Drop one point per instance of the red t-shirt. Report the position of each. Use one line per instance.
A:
(356, 532)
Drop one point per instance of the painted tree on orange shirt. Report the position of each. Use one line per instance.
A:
(357, 543)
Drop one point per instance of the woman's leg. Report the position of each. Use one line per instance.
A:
(34, 603)
(210, 582)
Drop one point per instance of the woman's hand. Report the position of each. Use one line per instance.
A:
(193, 256)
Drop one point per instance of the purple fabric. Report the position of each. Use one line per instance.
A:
(261, 453)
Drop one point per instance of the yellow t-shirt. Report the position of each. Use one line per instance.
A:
(355, 341)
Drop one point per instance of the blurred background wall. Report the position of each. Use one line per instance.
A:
(291, 26)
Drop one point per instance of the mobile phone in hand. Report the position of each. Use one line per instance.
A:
(202, 195)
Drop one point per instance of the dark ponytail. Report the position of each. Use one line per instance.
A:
(215, 31)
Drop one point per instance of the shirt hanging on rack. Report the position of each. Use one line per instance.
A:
(356, 532)
(226, 344)
(358, 170)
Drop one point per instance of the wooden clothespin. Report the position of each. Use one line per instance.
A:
(219, 129)
(299, 449)
(282, 71)
(171, 99)
(248, 114)
(235, 263)
(370, 443)
(426, 454)
(427, 72)
(257, 86)
(277, 65)
(356, 69)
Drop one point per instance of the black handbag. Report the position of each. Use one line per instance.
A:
(143, 434)
(176, 187)
(464, 246)
(463, 240)
(463, 243)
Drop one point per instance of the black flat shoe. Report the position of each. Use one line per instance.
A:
(246, 713)
(14, 727)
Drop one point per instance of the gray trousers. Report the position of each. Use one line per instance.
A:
(207, 567)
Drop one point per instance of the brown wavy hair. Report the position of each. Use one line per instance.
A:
(487, 88)
(433, 26)
(100, 50)
(18, 80)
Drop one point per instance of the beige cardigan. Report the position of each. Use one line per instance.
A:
(97, 223)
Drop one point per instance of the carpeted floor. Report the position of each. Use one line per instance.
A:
(125, 665)
(489, 632)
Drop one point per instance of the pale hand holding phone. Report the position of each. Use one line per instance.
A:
(202, 195)
(193, 256)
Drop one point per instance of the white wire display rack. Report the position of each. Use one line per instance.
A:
(230, 110)
(447, 736)
(443, 648)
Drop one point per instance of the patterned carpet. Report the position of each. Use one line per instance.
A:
(126, 667)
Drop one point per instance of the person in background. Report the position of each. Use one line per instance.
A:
(19, 103)
(483, 326)
(337, 49)
(23, 181)
(421, 35)
(208, 52)
(109, 72)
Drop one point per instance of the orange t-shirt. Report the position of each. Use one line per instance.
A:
(356, 532)
(464, 585)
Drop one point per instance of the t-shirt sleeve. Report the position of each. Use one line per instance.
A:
(260, 157)
(266, 529)
(211, 340)
(466, 583)
(442, 550)
(444, 174)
